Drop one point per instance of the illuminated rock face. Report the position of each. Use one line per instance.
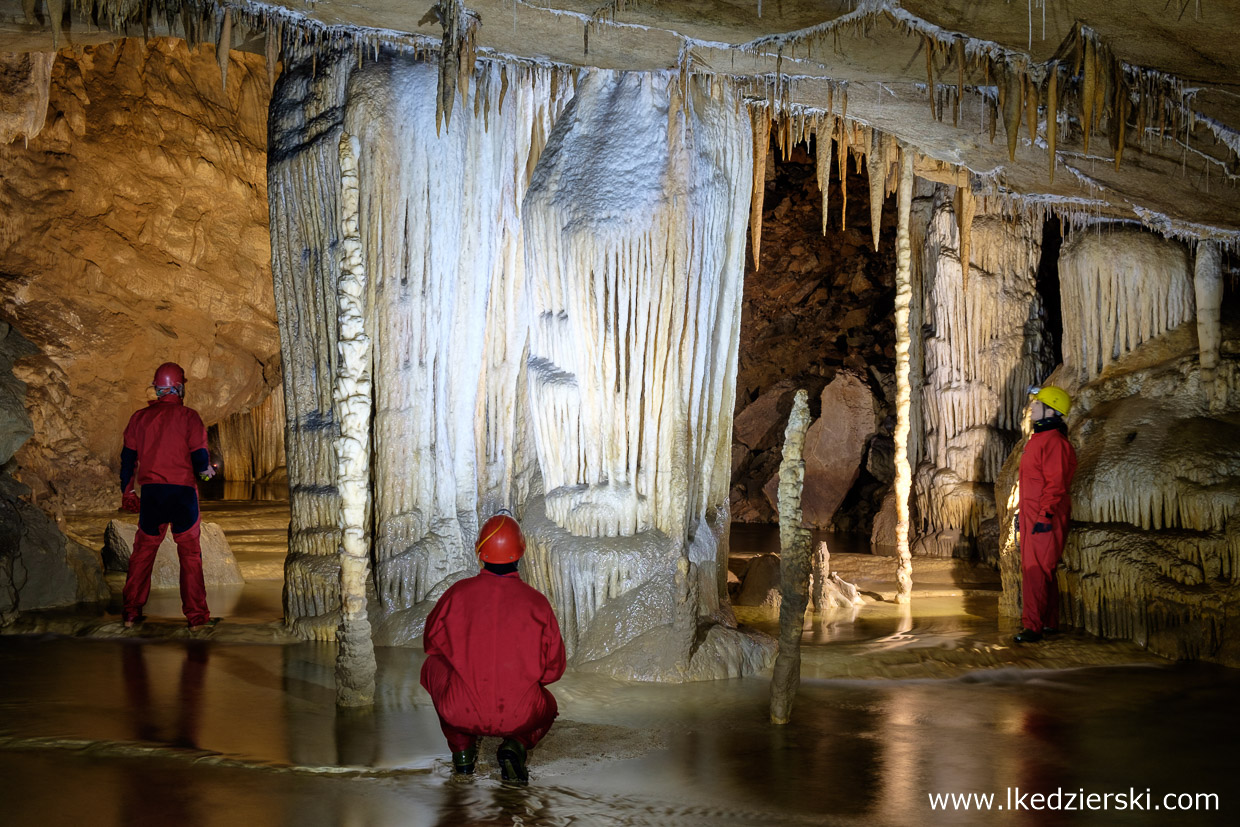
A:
(133, 231)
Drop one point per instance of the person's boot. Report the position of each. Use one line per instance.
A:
(463, 760)
(1028, 636)
(511, 757)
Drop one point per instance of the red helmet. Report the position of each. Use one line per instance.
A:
(500, 540)
(169, 375)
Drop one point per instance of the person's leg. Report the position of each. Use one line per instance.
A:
(138, 579)
(435, 677)
(513, 750)
(193, 586)
(186, 531)
(1038, 560)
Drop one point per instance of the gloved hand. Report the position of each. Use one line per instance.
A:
(208, 474)
(131, 502)
(1041, 528)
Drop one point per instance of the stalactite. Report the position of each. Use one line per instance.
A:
(1031, 108)
(794, 563)
(928, 45)
(843, 153)
(1119, 287)
(904, 300)
(1088, 81)
(223, 47)
(965, 208)
(1012, 109)
(876, 169)
(822, 164)
(984, 347)
(958, 46)
(272, 51)
(56, 14)
(1052, 116)
(355, 658)
(761, 121)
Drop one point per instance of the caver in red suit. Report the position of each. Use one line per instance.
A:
(492, 646)
(1046, 469)
(165, 448)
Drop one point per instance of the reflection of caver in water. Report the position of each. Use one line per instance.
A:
(167, 443)
(492, 645)
(1046, 469)
(147, 723)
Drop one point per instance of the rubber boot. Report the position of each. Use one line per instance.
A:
(511, 758)
(463, 761)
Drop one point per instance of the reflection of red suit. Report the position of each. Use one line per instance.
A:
(1046, 469)
(492, 644)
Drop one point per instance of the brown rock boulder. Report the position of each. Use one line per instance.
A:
(761, 424)
(834, 445)
(760, 586)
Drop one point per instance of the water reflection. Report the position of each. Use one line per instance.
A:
(158, 719)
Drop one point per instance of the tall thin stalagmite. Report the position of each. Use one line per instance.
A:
(904, 391)
(355, 659)
(794, 563)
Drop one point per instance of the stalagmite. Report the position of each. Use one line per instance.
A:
(876, 168)
(904, 391)
(794, 563)
(1208, 288)
(822, 165)
(761, 119)
(820, 575)
(355, 657)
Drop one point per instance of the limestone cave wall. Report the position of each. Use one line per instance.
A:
(133, 231)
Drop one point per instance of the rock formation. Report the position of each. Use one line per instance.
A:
(133, 231)
(219, 566)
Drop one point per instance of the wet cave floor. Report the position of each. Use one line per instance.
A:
(238, 725)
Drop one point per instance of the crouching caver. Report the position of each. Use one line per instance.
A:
(165, 448)
(492, 646)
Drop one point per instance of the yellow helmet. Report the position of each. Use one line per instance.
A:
(1053, 397)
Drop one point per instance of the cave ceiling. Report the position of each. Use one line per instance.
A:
(1165, 74)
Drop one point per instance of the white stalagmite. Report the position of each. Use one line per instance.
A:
(794, 563)
(355, 657)
(984, 348)
(904, 391)
(1208, 289)
(634, 233)
(439, 218)
(1120, 287)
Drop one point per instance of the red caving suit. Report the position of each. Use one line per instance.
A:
(492, 645)
(1046, 469)
(164, 435)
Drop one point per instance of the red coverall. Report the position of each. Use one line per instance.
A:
(492, 644)
(164, 434)
(1046, 469)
